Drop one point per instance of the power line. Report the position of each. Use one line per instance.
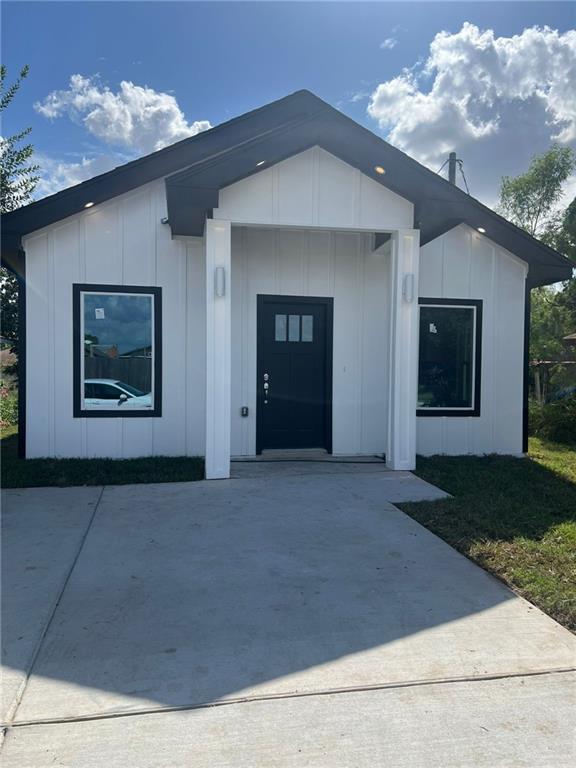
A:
(460, 165)
(443, 164)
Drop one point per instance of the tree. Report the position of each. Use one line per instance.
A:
(530, 200)
(17, 182)
(562, 233)
(551, 320)
(9, 299)
(18, 177)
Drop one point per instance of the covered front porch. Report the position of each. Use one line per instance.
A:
(311, 269)
(311, 342)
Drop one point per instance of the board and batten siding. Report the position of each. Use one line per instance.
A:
(464, 264)
(341, 265)
(120, 242)
(314, 189)
(295, 244)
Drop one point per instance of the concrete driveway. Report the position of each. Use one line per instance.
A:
(291, 616)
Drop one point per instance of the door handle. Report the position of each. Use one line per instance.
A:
(266, 389)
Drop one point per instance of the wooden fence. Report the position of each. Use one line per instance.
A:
(136, 371)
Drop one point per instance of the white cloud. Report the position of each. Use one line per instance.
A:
(356, 97)
(496, 100)
(388, 44)
(136, 117)
(58, 174)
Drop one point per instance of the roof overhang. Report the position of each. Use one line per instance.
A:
(196, 169)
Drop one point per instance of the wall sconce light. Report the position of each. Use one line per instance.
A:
(220, 281)
(408, 287)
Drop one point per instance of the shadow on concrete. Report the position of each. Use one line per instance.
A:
(186, 594)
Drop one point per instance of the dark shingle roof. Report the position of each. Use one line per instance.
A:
(197, 168)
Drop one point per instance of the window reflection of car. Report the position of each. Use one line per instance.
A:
(109, 393)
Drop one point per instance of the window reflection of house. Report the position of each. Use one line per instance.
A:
(100, 350)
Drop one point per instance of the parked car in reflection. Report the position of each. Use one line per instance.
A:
(111, 393)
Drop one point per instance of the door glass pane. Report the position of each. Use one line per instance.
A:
(446, 357)
(280, 328)
(307, 327)
(294, 328)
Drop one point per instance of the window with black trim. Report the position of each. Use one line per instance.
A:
(117, 350)
(450, 356)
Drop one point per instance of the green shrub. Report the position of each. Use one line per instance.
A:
(555, 421)
(535, 417)
(8, 407)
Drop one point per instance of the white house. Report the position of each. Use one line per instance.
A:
(284, 280)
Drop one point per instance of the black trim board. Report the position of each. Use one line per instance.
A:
(196, 169)
(461, 412)
(22, 362)
(78, 411)
(328, 302)
(526, 382)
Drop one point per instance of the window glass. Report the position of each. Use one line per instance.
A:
(118, 351)
(129, 390)
(294, 328)
(106, 392)
(446, 357)
(280, 328)
(307, 327)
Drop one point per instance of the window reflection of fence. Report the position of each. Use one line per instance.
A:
(136, 371)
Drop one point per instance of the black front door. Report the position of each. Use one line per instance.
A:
(294, 373)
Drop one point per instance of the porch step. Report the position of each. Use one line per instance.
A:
(308, 455)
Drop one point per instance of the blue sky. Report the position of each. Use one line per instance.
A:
(207, 62)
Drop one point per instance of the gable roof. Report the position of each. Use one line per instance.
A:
(195, 169)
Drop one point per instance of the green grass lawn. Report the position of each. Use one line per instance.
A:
(514, 517)
(17, 473)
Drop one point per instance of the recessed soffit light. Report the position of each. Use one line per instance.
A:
(88, 205)
(260, 162)
(481, 230)
(379, 169)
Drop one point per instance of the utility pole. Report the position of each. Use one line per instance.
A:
(452, 168)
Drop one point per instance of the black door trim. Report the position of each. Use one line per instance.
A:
(328, 302)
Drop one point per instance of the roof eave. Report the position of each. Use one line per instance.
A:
(196, 168)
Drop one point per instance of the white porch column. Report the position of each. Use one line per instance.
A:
(401, 453)
(218, 348)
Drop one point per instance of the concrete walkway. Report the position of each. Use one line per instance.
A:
(289, 616)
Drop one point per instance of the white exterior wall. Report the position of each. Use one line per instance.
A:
(463, 264)
(295, 245)
(314, 189)
(120, 242)
(310, 199)
(317, 263)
